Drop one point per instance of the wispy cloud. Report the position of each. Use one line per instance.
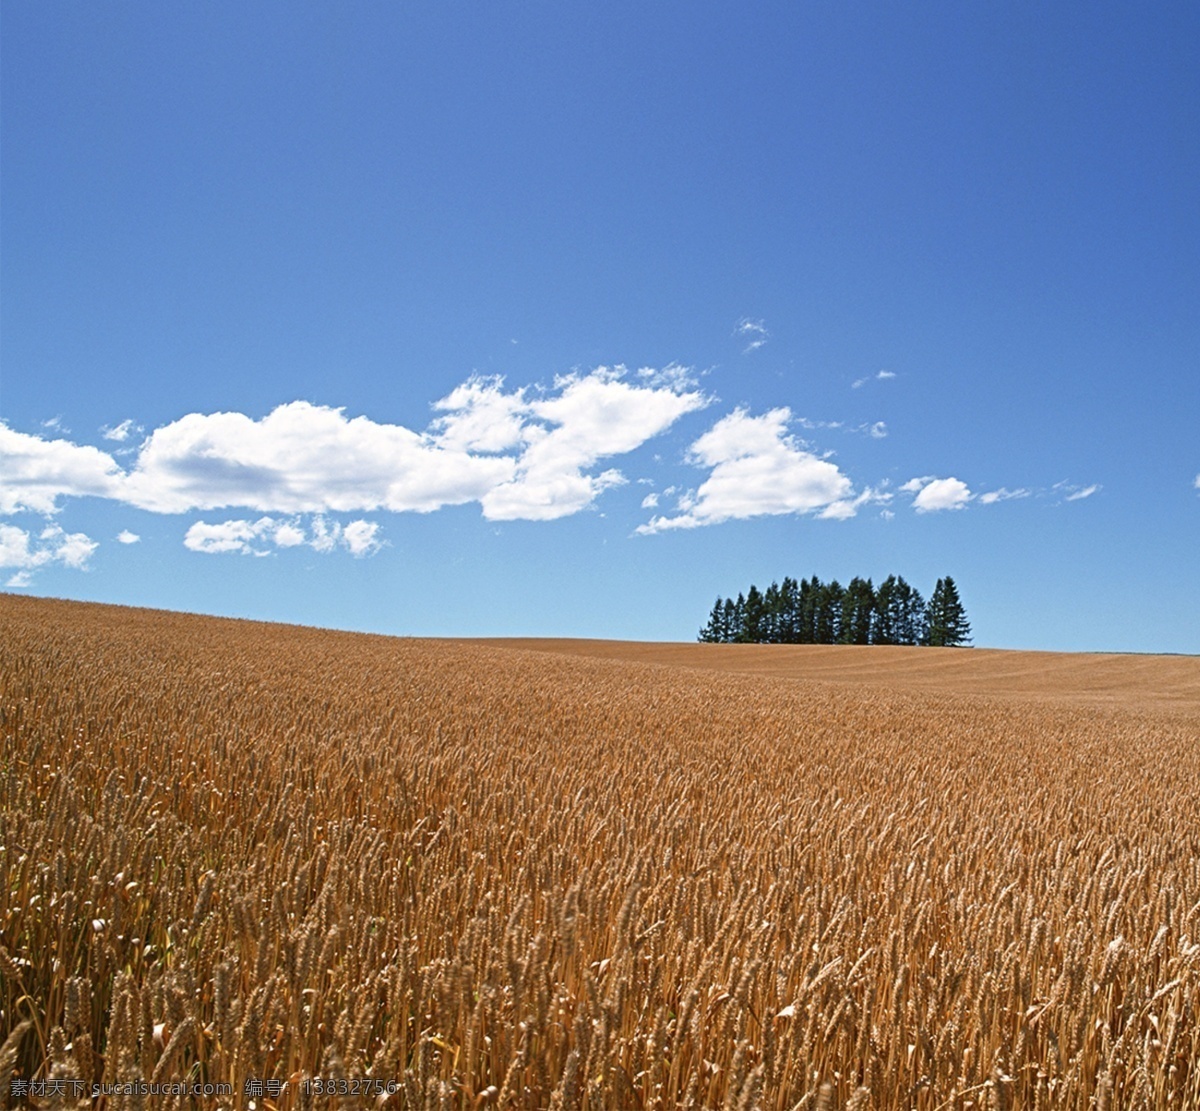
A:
(1071, 492)
(120, 432)
(932, 494)
(1196, 484)
(23, 552)
(258, 538)
(1003, 494)
(754, 332)
(756, 468)
(882, 376)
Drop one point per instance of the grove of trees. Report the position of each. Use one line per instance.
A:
(813, 612)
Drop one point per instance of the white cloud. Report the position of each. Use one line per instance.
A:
(120, 432)
(1003, 494)
(522, 454)
(127, 537)
(228, 536)
(882, 376)
(20, 550)
(288, 535)
(933, 494)
(35, 473)
(1196, 484)
(878, 431)
(593, 417)
(753, 331)
(480, 416)
(650, 501)
(1070, 492)
(303, 458)
(359, 538)
(757, 469)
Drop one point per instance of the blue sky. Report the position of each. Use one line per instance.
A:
(467, 319)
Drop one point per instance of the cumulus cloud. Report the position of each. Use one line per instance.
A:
(480, 416)
(933, 494)
(127, 537)
(302, 458)
(757, 469)
(753, 331)
(360, 538)
(25, 553)
(527, 454)
(878, 431)
(592, 417)
(257, 538)
(35, 473)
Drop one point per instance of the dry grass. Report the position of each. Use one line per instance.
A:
(512, 878)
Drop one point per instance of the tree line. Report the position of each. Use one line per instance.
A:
(813, 612)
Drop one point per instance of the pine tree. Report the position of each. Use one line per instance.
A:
(789, 611)
(729, 621)
(769, 629)
(907, 610)
(858, 604)
(883, 620)
(807, 606)
(712, 632)
(754, 619)
(737, 627)
(946, 617)
(828, 618)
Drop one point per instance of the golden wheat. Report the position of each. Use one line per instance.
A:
(459, 875)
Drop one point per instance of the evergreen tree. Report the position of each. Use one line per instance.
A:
(769, 628)
(713, 632)
(728, 621)
(807, 607)
(827, 619)
(755, 614)
(883, 619)
(906, 614)
(813, 612)
(858, 605)
(789, 611)
(946, 619)
(737, 629)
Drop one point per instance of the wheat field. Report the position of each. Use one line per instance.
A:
(365, 871)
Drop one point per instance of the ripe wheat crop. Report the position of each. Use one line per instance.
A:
(491, 877)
